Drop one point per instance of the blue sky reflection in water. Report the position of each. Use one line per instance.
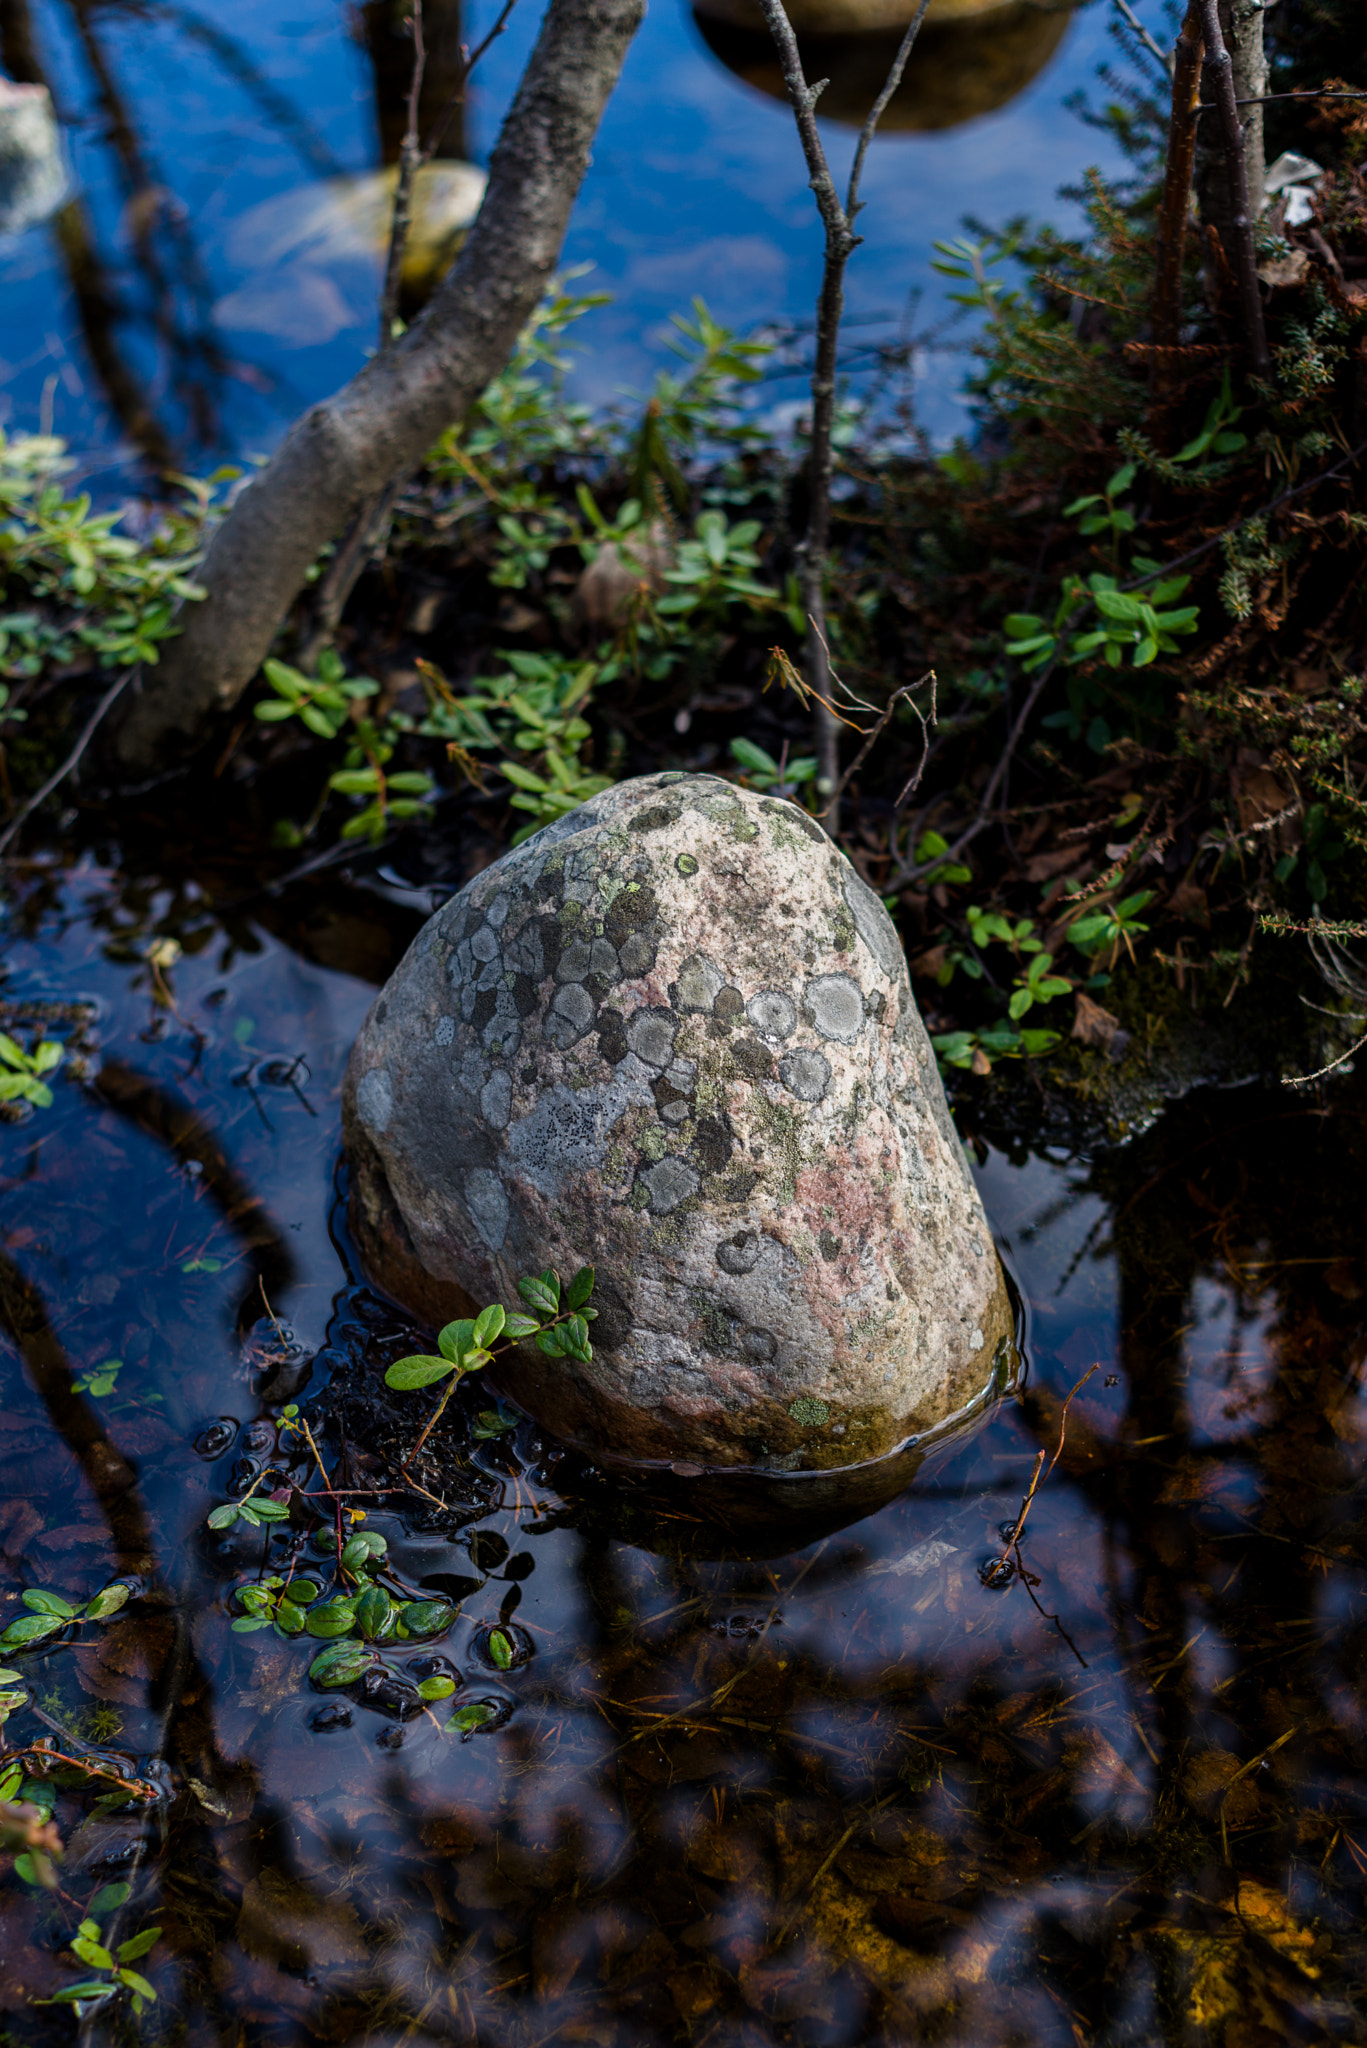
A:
(696, 187)
(841, 1795)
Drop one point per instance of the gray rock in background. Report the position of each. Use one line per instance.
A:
(34, 180)
(672, 1037)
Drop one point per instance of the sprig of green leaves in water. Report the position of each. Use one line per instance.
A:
(22, 1077)
(116, 1974)
(559, 1321)
(50, 1613)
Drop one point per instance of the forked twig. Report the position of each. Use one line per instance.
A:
(841, 242)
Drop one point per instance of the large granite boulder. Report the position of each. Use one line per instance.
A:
(672, 1037)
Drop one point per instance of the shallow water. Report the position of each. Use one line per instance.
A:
(847, 1793)
(151, 313)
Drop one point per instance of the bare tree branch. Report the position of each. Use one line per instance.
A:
(1238, 147)
(841, 242)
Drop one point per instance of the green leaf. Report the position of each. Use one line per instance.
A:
(109, 1898)
(754, 759)
(553, 1341)
(340, 1664)
(300, 1592)
(428, 1617)
(1114, 604)
(30, 1628)
(334, 1618)
(580, 1288)
(289, 1620)
(418, 1371)
(138, 1985)
(489, 1326)
(91, 1988)
(468, 1719)
(48, 1603)
(438, 1687)
(542, 1294)
(500, 1649)
(1021, 1001)
(287, 681)
(129, 1951)
(456, 1339)
(267, 1510)
(521, 1326)
(248, 1624)
(14, 1776)
(375, 1614)
(13, 1055)
(224, 1517)
(91, 1952)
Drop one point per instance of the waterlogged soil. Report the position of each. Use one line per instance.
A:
(855, 1787)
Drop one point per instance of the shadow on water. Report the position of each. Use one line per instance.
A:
(867, 1788)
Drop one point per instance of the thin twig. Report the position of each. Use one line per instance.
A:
(369, 527)
(880, 107)
(59, 775)
(1300, 1080)
(467, 65)
(902, 696)
(1122, 7)
(841, 242)
(410, 155)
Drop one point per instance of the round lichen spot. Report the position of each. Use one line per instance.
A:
(686, 864)
(808, 1411)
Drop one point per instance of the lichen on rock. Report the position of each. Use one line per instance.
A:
(672, 1036)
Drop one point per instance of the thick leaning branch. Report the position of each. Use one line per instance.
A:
(383, 422)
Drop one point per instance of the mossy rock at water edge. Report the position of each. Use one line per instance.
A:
(672, 1036)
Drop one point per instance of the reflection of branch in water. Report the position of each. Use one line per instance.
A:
(97, 307)
(110, 1477)
(196, 359)
(170, 1120)
(234, 59)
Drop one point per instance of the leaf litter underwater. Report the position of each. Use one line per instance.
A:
(620, 1783)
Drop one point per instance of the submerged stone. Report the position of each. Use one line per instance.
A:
(672, 1037)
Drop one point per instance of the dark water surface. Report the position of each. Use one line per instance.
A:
(165, 310)
(846, 1793)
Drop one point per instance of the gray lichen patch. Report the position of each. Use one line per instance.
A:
(671, 1036)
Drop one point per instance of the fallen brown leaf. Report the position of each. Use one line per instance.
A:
(1094, 1026)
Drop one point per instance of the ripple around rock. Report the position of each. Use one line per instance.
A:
(705, 1077)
